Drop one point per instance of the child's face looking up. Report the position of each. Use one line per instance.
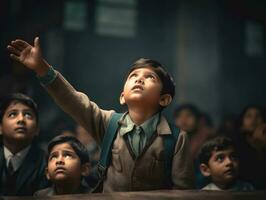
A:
(143, 88)
(19, 123)
(223, 166)
(63, 164)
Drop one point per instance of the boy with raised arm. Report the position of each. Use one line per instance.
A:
(143, 154)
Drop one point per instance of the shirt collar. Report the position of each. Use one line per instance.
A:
(235, 187)
(17, 159)
(149, 126)
(127, 124)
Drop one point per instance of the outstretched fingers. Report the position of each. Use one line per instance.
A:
(22, 43)
(16, 46)
(14, 57)
(13, 50)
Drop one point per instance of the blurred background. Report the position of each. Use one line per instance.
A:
(215, 50)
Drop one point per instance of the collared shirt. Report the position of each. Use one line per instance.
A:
(149, 127)
(237, 186)
(17, 159)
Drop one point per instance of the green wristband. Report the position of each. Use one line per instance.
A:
(49, 77)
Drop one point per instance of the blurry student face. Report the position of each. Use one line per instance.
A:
(19, 124)
(186, 120)
(222, 167)
(143, 87)
(64, 164)
(259, 137)
(251, 119)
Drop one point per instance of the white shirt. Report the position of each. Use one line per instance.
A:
(17, 159)
(238, 186)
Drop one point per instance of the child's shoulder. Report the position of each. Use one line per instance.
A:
(45, 192)
(243, 186)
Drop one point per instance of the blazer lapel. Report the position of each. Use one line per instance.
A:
(28, 167)
(2, 166)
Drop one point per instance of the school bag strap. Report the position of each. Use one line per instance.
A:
(107, 143)
(169, 148)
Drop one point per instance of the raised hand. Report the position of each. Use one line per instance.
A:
(30, 56)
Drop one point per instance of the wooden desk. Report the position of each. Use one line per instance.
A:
(157, 195)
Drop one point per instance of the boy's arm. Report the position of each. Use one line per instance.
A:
(76, 104)
(79, 107)
(183, 176)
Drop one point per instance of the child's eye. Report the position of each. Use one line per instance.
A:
(151, 77)
(133, 75)
(28, 115)
(12, 114)
(234, 157)
(68, 155)
(52, 157)
(220, 158)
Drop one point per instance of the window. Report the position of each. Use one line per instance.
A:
(116, 18)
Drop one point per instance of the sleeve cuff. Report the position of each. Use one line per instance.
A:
(49, 77)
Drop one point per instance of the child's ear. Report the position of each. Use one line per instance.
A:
(47, 174)
(165, 100)
(122, 99)
(85, 169)
(205, 170)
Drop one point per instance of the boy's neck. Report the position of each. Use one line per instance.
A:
(139, 116)
(67, 187)
(14, 148)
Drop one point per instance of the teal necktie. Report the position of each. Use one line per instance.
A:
(136, 140)
(10, 167)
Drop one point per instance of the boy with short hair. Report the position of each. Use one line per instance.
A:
(22, 162)
(68, 163)
(134, 150)
(219, 161)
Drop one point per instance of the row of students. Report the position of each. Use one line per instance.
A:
(68, 159)
(141, 150)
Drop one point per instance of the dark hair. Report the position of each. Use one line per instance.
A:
(78, 147)
(20, 98)
(158, 68)
(193, 109)
(218, 143)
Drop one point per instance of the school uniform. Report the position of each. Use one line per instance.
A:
(27, 175)
(237, 186)
(127, 171)
(51, 191)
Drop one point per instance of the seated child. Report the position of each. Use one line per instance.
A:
(251, 145)
(219, 161)
(22, 162)
(137, 155)
(68, 162)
